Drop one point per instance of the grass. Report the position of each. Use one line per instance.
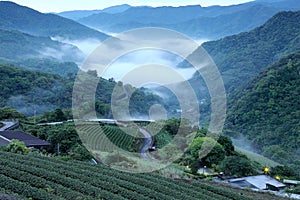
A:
(257, 158)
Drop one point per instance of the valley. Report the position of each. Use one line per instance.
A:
(150, 102)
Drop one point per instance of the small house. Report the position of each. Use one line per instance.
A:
(29, 140)
(291, 183)
(260, 182)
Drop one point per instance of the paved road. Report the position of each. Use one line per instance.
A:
(146, 144)
(7, 125)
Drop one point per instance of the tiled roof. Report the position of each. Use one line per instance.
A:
(29, 140)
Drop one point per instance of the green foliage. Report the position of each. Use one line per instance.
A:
(96, 137)
(29, 91)
(10, 113)
(295, 190)
(172, 126)
(51, 66)
(78, 152)
(207, 150)
(48, 178)
(267, 111)
(283, 172)
(237, 166)
(257, 158)
(162, 138)
(16, 146)
(226, 142)
(202, 132)
(36, 92)
(195, 166)
(59, 115)
(176, 126)
(16, 17)
(241, 57)
(16, 45)
(63, 135)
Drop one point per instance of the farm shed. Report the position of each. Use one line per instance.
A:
(29, 140)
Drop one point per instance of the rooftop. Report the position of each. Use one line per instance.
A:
(29, 140)
(259, 182)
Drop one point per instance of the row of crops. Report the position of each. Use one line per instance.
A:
(49, 178)
(97, 137)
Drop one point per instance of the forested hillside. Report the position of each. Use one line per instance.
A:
(15, 45)
(267, 111)
(24, 19)
(241, 57)
(29, 91)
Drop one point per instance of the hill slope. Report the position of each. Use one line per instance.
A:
(241, 57)
(48, 178)
(24, 19)
(15, 45)
(267, 111)
(29, 91)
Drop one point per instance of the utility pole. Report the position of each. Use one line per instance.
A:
(58, 149)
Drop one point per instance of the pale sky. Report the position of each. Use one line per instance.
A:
(66, 5)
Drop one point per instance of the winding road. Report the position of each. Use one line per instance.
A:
(147, 143)
(8, 125)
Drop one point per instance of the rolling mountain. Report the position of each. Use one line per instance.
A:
(15, 45)
(38, 53)
(241, 57)
(30, 91)
(200, 22)
(267, 111)
(78, 14)
(27, 20)
(226, 24)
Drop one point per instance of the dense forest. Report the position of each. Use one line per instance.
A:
(267, 111)
(43, 92)
(241, 57)
(16, 45)
(37, 92)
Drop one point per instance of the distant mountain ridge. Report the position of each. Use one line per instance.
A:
(212, 22)
(78, 14)
(27, 20)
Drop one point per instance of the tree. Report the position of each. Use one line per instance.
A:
(207, 150)
(226, 142)
(202, 132)
(78, 152)
(283, 171)
(10, 113)
(16, 146)
(59, 115)
(237, 166)
(195, 166)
